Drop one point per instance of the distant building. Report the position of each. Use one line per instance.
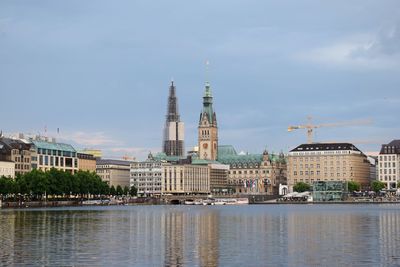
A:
(146, 176)
(55, 155)
(219, 175)
(185, 179)
(254, 173)
(21, 153)
(309, 163)
(7, 169)
(389, 162)
(86, 162)
(173, 144)
(207, 129)
(97, 153)
(114, 172)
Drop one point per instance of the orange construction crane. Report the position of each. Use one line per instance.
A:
(310, 126)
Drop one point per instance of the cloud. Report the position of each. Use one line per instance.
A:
(379, 50)
(92, 139)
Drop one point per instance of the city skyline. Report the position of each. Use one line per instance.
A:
(106, 86)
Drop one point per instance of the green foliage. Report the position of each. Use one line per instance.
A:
(54, 182)
(126, 190)
(133, 191)
(113, 192)
(301, 187)
(353, 186)
(377, 186)
(119, 190)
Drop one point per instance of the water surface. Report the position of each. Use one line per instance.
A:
(254, 235)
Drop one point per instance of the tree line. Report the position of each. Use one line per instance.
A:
(59, 184)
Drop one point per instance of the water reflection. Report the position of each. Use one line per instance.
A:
(279, 235)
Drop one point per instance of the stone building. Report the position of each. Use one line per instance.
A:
(254, 173)
(389, 164)
(86, 162)
(21, 153)
(182, 179)
(309, 163)
(114, 172)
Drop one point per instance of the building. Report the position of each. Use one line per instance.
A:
(389, 162)
(254, 173)
(21, 153)
(309, 163)
(114, 172)
(86, 162)
(51, 154)
(7, 169)
(207, 129)
(146, 176)
(97, 153)
(219, 175)
(182, 179)
(173, 144)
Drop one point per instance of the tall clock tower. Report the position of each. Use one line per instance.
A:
(208, 130)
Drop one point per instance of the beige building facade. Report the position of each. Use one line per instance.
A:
(185, 179)
(114, 172)
(309, 163)
(86, 162)
(7, 169)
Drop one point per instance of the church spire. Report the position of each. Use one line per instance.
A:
(172, 113)
(173, 144)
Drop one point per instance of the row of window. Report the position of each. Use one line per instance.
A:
(387, 164)
(57, 161)
(319, 173)
(387, 157)
(52, 152)
(387, 171)
(249, 172)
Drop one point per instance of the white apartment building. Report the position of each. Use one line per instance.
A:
(146, 176)
(388, 164)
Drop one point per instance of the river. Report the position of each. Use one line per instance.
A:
(249, 235)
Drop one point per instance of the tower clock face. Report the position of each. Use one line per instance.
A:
(205, 146)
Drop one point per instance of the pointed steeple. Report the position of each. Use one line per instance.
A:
(173, 144)
(208, 105)
(172, 113)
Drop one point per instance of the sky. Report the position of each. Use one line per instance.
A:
(100, 71)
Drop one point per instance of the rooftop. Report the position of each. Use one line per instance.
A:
(391, 148)
(53, 146)
(325, 146)
(113, 162)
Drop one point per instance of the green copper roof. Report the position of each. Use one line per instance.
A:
(203, 162)
(227, 155)
(207, 104)
(53, 146)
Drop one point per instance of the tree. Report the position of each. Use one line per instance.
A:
(377, 186)
(133, 191)
(353, 186)
(113, 192)
(301, 187)
(126, 190)
(119, 190)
